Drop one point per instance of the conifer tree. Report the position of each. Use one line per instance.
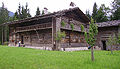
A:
(4, 17)
(102, 12)
(37, 12)
(88, 14)
(115, 10)
(94, 13)
(23, 12)
(43, 12)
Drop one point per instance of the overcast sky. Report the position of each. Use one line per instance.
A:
(53, 5)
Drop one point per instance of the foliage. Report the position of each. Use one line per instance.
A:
(4, 17)
(60, 35)
(90, 36)
(23, 12)
(26, 58)
(94, 13)
(43, 12)
(15, 16)
(102, 13)
(88, 14)
(115, 10)
(72, 26)
(37, 12)
(118, 41)
(6, 43)
(116, 14)
(93, 30)
(82, 28)
(63, 23)
(111, 42)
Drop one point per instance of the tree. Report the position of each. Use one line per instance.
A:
(37, 12)
(23, 12)
(90, 36)
(4, 17)
(102, 13)
(94, 13)
(15, 16)
(59, 37)
(118, 39)
(43, 12)
(115, 10)
(111, 42)
(88, 13)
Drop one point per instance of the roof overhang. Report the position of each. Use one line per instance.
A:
(76, 11)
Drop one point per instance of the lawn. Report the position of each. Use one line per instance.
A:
(26, 58)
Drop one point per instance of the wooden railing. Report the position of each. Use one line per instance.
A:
(34, 27)
(68, 27)
(76, 28)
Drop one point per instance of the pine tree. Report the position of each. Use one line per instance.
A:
(15, 17)
(102, 14)
(37, 12)
(23, 12)
(115, 10)
(94, 11)
(88, 14)
(43, 12)
(19, 11)
(4, 17)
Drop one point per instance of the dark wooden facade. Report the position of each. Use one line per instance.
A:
(40, 31)
(105, 30)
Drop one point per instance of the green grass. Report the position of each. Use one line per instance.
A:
(25, 58)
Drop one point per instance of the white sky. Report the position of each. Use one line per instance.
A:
(53, 5)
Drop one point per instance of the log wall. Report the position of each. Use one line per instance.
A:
(69, 21)
(103, 35)
(36, 38)
(73, 39)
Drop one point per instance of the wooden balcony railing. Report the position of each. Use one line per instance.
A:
(76, 28)
(34, 27)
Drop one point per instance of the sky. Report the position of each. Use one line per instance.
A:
(53, 5)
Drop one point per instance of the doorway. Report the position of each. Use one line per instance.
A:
(104, 45)
(22, 41)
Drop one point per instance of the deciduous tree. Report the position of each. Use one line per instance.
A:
(90, 36)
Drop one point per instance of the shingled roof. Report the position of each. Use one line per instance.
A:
(109, 23)
(76, 11)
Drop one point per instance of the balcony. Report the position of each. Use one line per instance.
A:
(34, 27)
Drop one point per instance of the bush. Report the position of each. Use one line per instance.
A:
(72, 26)
(63, 23)
(6, 43)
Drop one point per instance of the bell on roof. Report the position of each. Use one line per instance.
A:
(72, 4)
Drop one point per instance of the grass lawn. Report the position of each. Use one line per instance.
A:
(25, 58)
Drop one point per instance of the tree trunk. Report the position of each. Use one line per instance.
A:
(5, 33)
(2, 35)
(59, 45)
(111, 50)
(92, 54)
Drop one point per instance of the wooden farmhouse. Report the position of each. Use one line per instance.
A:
(105, 30)
(41, 31)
